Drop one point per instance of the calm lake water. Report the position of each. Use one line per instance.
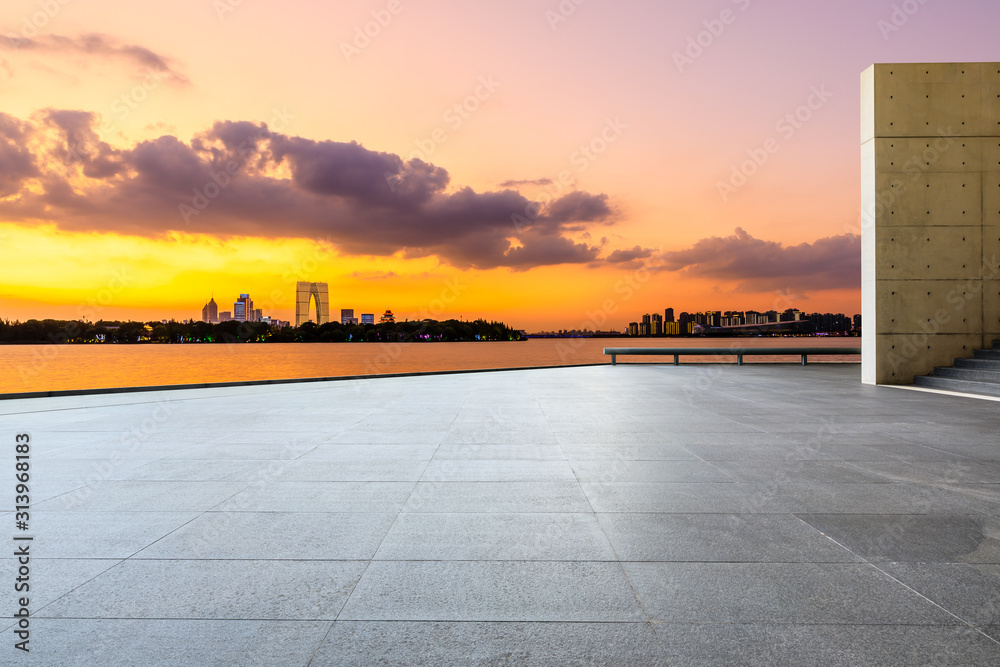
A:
(53, 367)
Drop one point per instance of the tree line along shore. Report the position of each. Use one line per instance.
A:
(130, 332)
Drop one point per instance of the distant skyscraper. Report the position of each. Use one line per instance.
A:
(305, 293)
(645, 326)
(225, 316)
(346, 315)
(243, 309)
(367, 318)
(210, 313)
(657, 325)
(668, 315)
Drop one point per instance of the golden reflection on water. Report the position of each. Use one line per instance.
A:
(54, 367)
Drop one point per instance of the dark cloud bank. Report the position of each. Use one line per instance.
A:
(241, 178)
(246, 179)
(828, 263)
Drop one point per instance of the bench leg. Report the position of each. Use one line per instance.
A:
(803, 360)
(739, 359)
(613, 359)
(677, 360)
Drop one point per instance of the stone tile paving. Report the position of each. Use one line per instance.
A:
(641, 514)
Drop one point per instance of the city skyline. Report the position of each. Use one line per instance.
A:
(677, 163)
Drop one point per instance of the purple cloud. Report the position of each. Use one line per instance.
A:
(241, 178)
(828, 263)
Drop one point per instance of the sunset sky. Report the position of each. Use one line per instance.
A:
(534, 161)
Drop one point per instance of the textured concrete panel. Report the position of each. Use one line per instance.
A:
(916, 99)
(930, 253)
(930, 197)
(991, 198)
(904, 355)
(991, 312)
(943, 153)
(991, 154)
(930, 307)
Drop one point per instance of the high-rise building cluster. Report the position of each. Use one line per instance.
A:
(347, 317)
(654, 324)
(243, 311)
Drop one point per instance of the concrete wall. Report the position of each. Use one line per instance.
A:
(930, 197)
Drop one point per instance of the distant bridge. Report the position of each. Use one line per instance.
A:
(795, 326)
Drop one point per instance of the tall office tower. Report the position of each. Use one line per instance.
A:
(657, 321)
(668, 315)
(210, 313)
(367, 318)
(258, 315)
(633, 328)
(243, 309)
(305, 293)
(644, 327)
(346, 315)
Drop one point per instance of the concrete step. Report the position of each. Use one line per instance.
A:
(970, 374)
(951, 384)
(987, 354)
(981, 364)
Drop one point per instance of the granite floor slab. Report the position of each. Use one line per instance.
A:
(637, 514)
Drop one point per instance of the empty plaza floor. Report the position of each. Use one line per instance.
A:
(766, 514)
